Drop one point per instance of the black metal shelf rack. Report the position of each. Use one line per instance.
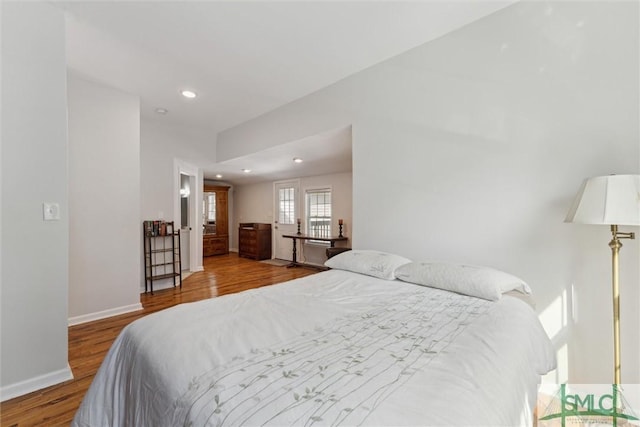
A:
(161, 253)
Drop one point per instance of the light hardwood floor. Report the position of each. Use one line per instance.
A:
(89, 342)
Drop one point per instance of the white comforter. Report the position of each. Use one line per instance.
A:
(335, 348)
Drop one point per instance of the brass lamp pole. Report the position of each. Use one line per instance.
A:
(615, 246)
(613, 200)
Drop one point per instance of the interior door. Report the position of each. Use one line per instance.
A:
(185, 221)
(287, 212)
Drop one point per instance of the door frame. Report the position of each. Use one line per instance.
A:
(196, 182)
(275, 210)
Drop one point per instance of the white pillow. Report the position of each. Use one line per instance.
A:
(481, 282)
(371, 263)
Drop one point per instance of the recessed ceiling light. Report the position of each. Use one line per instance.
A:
(188, 94)
(297, 160)
(246, 170)
(218, 176)
(162, 111)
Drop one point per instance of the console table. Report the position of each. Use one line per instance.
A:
(294, 237)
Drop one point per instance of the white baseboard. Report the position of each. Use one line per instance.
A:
(76, 320)
(36, 383)
(198, 268)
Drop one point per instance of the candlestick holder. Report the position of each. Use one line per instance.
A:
(340, 230)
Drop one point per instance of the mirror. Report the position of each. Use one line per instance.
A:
(184, 201)
(209, 213)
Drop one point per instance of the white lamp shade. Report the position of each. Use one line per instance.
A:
(612, 199)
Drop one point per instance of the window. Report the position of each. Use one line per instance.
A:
(319, 212)
(209, 208)
(287, 202)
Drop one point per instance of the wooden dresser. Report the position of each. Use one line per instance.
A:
(213, 244)
(254, 240)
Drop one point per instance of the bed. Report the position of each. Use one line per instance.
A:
(335, 348)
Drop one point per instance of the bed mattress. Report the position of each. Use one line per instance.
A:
(334, 348)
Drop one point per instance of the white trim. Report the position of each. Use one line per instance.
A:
(36, 383)
(195, 239)
(305, 205)
(76, 320)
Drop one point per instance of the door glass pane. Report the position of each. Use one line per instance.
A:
(286, 204)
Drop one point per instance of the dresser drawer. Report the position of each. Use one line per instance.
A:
(215, 245)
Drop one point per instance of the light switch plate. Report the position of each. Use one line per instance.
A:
(51, 211)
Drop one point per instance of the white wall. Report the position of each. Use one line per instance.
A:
(164, 150)
(160, 145)
(104, 200)
(252, 203)
(255, 202)
(476, 144)
(33, 314)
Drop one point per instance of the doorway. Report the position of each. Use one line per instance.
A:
(286, 196)
(185, 213)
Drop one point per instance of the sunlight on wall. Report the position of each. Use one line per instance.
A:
(562, 371)
(554, 317)
(557, 319)
(559, 375)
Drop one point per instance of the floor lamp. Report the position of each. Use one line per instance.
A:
(610, 200)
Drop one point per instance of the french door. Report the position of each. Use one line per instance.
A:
(286, 196)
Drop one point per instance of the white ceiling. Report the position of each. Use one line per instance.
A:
(325, 153)
(243, 58)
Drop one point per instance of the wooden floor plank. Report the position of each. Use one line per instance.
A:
(89, 342)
